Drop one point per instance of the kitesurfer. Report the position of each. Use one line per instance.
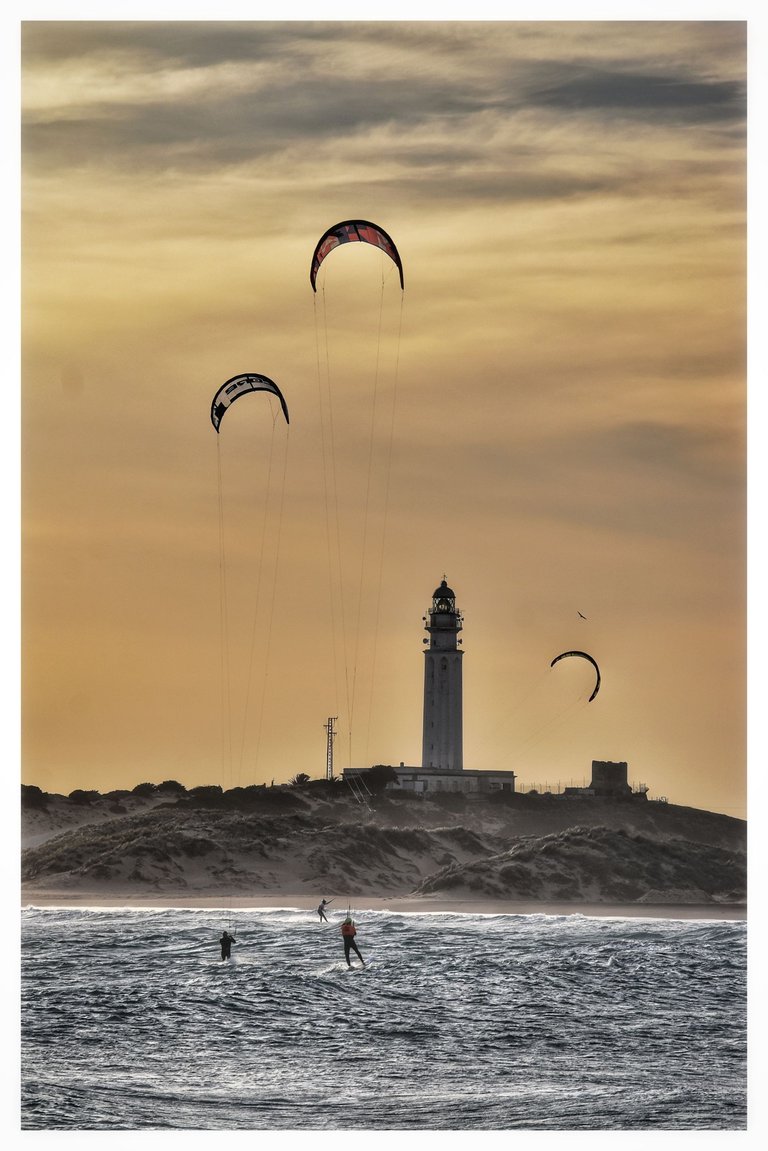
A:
(348, 932)
(321, 909)
(226, 942)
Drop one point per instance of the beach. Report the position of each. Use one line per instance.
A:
(404, 904)
(477, 858)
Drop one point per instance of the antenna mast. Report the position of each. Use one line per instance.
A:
(330, 733)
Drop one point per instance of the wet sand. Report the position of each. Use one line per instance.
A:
(403, 904)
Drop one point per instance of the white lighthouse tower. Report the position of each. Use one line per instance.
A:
(442, 753)
(442, 744)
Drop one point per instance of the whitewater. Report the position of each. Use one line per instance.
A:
(131, 1021)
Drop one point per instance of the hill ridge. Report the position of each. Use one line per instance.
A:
(557, 849)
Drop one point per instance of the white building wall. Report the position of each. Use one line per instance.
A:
(442, 741)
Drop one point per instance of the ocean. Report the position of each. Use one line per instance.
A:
(131, 1021)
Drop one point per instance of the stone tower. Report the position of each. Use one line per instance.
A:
(442, 740)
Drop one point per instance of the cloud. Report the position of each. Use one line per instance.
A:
(646, 96)
(443, 106)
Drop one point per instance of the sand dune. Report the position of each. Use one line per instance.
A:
(598, 864)
(314, 841)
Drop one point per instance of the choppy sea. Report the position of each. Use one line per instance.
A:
(131, 1021)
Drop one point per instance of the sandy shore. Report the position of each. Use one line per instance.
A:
(403, 904)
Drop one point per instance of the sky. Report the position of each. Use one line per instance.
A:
(552, 415)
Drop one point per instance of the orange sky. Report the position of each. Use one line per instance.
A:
(553, 415)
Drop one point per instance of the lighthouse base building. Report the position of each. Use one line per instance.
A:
(430, 779)
(442, 755)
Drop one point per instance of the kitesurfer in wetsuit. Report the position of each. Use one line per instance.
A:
(348, 933)
(226, 942)
(321, 909)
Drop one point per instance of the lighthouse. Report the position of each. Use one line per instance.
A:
(442, 752)
(442, 745)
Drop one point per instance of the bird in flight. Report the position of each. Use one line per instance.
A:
(582, 616)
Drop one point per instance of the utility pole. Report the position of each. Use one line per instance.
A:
(330, 733)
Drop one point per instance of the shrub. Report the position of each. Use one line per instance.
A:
(83, 797)
(144, 789)
(323, 786)
(210, 793)
(32, 796)
(379, 776)
(244, 796)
